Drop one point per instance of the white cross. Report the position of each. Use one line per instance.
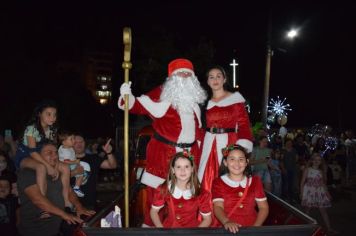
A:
(234, 65)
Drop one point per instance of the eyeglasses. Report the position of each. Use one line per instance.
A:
(183, 74)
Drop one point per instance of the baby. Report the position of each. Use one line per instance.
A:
(67, 155)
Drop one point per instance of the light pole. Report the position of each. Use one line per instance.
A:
(291, 34)
(266, 86)
(267, 73)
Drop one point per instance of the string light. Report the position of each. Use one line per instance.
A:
(278, 106)
(330, 144)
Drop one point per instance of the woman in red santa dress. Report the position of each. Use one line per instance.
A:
(175, 113)
(181, 196)
(227, 122)
(236, 193)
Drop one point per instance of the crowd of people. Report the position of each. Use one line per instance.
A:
(205, 167)
(48, 177)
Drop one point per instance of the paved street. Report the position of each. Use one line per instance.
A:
(343, 212)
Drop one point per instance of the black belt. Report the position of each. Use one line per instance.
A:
(166, 141)
(215, 130)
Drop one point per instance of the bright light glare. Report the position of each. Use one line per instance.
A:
(292, 33)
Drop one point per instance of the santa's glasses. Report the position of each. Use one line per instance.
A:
(183, 74)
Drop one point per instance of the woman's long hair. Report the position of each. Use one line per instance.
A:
(227, 87)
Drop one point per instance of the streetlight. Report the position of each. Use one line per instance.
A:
(291, 34)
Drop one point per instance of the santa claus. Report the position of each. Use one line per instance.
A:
(175, 112)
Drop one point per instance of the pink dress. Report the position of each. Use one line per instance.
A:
(230, 192)
(181, 207)
(314, 192)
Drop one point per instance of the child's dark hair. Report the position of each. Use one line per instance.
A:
(226, 151)
(36, 122)
(194, 182)
(63, 135)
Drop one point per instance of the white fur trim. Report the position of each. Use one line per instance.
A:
(218, 199)
(157, 207)
(246, 144)
(187, 134)
(121, 102)
(236, 97)
(261, 199)
(156, 109)
(221, 142)
(205, 214)
(151, 180)
(197, 112)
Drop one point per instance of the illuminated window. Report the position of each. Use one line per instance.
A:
(103, 93)
(104, 87)
(103, 101)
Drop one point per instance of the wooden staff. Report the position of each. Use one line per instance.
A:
(126, 65)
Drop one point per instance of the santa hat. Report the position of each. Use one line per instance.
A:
(178, 64)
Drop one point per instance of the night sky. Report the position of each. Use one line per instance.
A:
(315, 72)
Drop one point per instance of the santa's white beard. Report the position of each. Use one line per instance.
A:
(183, 93)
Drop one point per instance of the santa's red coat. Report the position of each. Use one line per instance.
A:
(167, 123)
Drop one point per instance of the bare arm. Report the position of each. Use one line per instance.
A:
(155, 218)
(219, 212)
(34, 194)
(262, 214)
(110, 163)
(77, 171)
(67, 161)
(206, 221)
(35, 155)
(78, 206)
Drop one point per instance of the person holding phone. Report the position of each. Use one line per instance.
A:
(7, 143)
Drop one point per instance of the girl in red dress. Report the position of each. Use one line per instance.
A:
(186, 204)
(236, 193)
(227, 122)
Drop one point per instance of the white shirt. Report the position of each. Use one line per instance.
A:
(66, 154)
